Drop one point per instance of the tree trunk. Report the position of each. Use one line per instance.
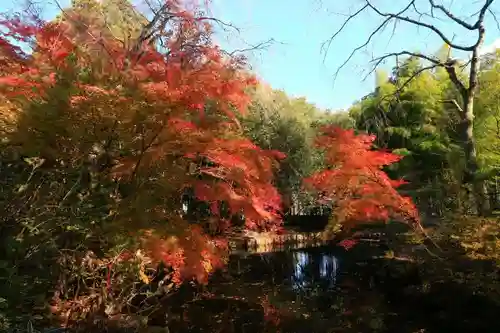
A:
(467, 125)
(472, 167)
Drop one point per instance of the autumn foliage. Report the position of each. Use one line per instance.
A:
(123, 130)
(105, 137)
(354, 182)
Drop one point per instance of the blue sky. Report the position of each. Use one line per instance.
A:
(297, 66)
(295, 62)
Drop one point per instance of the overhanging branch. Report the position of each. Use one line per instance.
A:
(399, 16)
(451, 15)
(368, 40)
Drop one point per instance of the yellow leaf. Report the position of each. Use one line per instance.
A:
(207, 265)
(144, 278)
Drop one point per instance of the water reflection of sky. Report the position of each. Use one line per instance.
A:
(312, 270)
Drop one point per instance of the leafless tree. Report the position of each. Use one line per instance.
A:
(426, 18)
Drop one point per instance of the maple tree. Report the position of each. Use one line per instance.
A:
(354, 182)
(120, 131)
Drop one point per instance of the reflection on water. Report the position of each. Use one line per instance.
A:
(313, 270)
(302, 270)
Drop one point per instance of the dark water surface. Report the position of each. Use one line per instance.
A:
(298, 270)
(329, 290)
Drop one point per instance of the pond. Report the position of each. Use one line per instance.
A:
(255, 284)
(299, 270)
(327, 289)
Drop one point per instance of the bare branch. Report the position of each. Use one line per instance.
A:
(482, 13)
(452, 73)
(414, 5)
(435, 61)
(218, 21)
(399, 16)
(414, 75)
(451, 15)
(474, 65)
(147, 31)
(494, 18)
(400, 88)
(368, 40)
(259, 46)
(328, 43)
